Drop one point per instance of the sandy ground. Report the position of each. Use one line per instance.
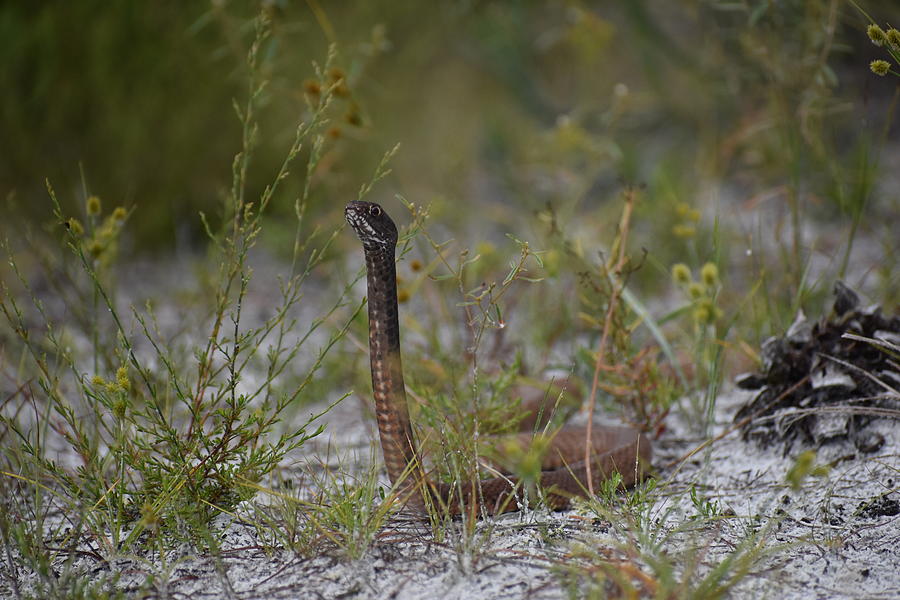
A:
(836, 537)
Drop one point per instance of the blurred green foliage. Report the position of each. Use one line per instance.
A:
(500, 107)
(128, 91)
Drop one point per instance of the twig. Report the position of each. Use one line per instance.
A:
(615, 295)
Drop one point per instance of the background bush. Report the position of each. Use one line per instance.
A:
(497, 106)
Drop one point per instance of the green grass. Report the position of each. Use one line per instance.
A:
(556, 223)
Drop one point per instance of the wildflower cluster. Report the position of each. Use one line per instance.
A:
(890, 41)
(103, 234)
(701, 292)
(686, 220)
(113, 392)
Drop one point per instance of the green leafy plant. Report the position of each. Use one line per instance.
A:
(165, 434)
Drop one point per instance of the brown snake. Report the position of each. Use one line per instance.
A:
(615, 449)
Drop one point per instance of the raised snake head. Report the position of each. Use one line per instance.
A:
(372, 225)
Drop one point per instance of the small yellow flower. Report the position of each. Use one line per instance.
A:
(402, 295)
(415, 265)
(702, 314)
(122, 378)
(681, 273)
(696, 290)
(707, 312)
(119, 408)
(93, 206)
(485, 249)
(893, 38)
(75, 226)
(95, 248)
(709, 274)
(97, 380)
(684, 231)
(876, 34)
(682, 209)
(119, 213)
(693, 215)
(880, 67)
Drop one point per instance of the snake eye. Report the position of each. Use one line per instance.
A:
(375, 211)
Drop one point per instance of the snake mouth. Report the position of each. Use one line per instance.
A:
(351, 213)
(356, 221)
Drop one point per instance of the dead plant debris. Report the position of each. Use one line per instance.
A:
(844, 371)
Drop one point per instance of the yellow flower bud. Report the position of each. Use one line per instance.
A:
(880, 67)
(876, 34)
(709, 274)
(681, 273)
(75, 226)
(893, 38)
(122, 378)
(695, 290)
(93, 206)
(684, 231)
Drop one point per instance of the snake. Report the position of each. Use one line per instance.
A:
(565, 473)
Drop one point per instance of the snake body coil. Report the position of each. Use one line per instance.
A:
(614, 449)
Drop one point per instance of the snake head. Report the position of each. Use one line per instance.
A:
(372, 225)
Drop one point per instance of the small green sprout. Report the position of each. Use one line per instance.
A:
(705, 507)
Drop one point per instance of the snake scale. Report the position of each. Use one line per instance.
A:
(565, 474)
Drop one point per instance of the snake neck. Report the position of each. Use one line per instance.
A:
(391, 408)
